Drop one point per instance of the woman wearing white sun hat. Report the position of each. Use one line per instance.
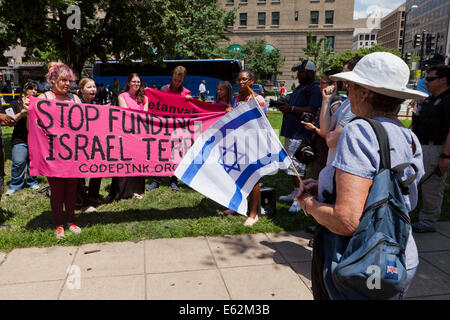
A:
(377, 87)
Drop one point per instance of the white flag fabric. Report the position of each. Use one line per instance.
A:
(231, 156)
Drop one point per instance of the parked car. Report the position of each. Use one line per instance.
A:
(258, 89)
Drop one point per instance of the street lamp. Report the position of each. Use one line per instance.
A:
(404, 29)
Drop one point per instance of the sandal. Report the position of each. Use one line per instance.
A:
(138, 196)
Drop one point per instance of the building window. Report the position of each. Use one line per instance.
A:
(261, 18)
(361, 37)
(261, 1)
(275, 1)
(296, 15)
(329, 43)
(310, 40)
(275, 18)
(243, 1)
(329, 17)
(366, 37)
(314, 17)
(243, 19)
(230, 2)
(372, 37)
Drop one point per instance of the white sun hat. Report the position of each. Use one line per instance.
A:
(384, 73)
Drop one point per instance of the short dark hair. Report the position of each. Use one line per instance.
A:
(179, 70)
(442, 71)
(250, 73)
(351, 63)
(381, 102)
(330, 72)
(29, 84)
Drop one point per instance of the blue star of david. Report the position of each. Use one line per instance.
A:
(237, 157)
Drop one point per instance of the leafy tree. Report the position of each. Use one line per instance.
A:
(338, 60)
(199, 25)
(119, 29)
(260, 60)
(318, 52)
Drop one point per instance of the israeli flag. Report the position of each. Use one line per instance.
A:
(232, 155)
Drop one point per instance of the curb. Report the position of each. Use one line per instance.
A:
(2, 257)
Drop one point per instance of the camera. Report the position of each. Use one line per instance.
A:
(305, 153)
(278, 103)
(275, 103)
(307, 117)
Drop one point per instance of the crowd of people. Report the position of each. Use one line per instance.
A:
(321, 129)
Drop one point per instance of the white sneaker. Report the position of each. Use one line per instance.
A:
(35, 187)
(10, 192)
(290, 197)
(295, 207)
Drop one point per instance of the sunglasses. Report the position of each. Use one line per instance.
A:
(429, 79)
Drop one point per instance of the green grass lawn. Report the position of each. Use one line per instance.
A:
(161, 214)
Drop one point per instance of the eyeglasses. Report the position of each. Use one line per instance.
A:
(135, 82)
(429, 79)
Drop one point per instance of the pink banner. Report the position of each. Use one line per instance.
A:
(68, 139)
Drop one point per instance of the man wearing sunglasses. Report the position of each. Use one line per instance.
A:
(432, 127)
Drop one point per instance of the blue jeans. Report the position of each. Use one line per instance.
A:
(20, 164)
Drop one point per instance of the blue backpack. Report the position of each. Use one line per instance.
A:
(370, 264)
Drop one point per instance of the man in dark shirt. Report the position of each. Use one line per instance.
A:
(432, 127)
(306, 98)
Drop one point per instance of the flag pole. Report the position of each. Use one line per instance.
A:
(292, 162)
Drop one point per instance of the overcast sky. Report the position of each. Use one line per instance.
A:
(363, 7)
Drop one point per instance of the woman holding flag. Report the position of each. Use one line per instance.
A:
(245, 80)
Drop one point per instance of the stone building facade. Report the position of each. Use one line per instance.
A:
(284, 24)
(391, 30)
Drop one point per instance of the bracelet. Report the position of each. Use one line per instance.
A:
(444, 156)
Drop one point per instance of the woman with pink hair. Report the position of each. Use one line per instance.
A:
(63, 190)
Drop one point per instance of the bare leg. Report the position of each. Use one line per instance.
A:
(253, 214)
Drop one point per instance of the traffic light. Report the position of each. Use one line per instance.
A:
(430, 43)
(408, 57)
(417, 40)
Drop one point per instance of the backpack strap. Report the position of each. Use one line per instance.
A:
(385, 161)
(404, 185)
(383, 141)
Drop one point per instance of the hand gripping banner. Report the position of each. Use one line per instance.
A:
(68, 139)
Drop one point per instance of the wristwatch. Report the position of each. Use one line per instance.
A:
(444, 156)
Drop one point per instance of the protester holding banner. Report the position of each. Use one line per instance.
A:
(225, 94)
(245, 81)
(63, 190)
(19, 141)
(176, 87)
(88, 91)
(133, 98)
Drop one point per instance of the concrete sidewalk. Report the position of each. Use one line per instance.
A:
(249, 267)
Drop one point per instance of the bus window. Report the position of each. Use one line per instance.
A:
(212, 71)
